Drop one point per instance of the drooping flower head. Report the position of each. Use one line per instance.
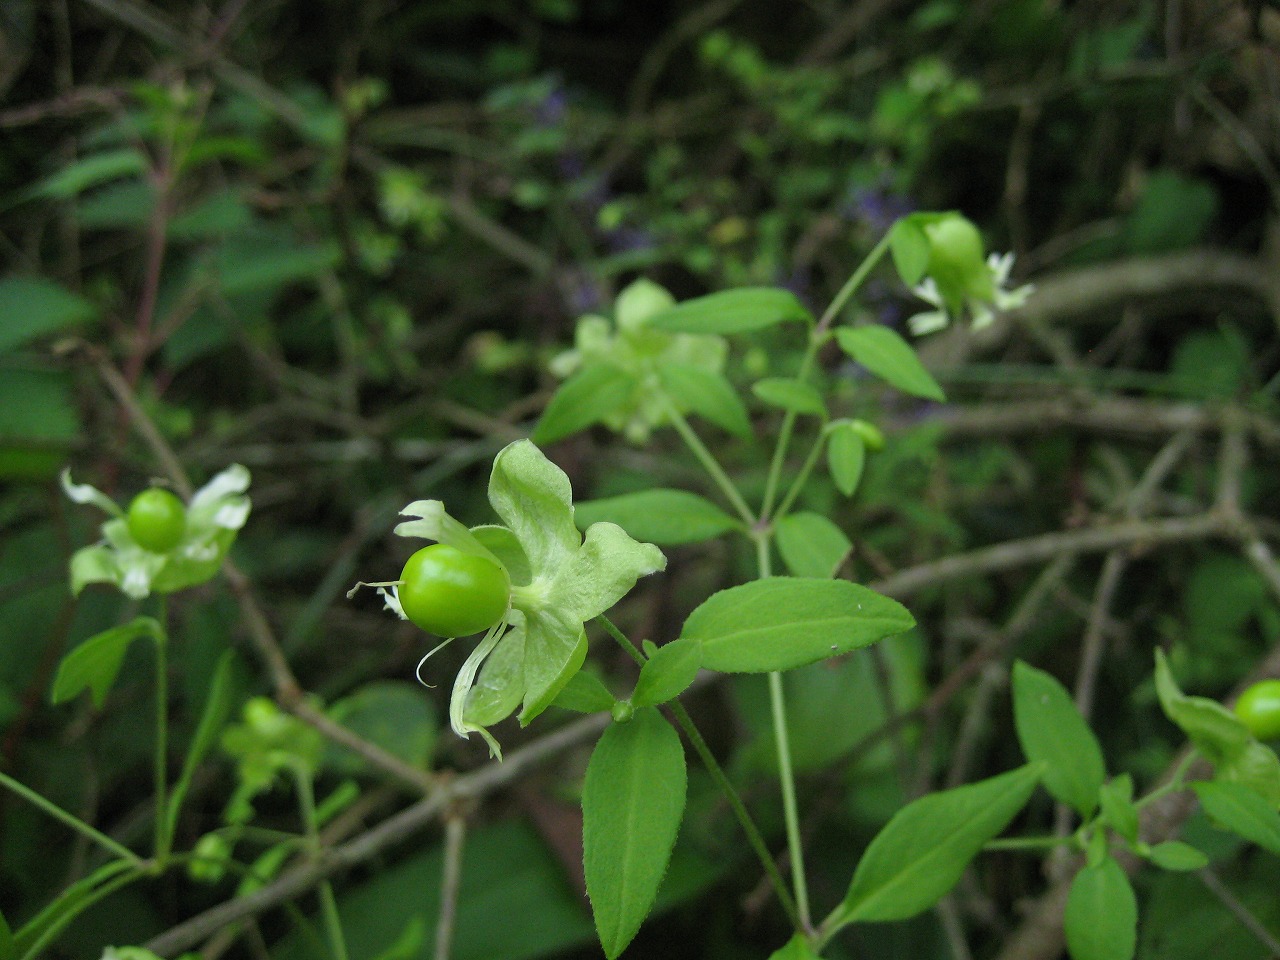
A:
(209, 525)
(559, 579)
(941, 256)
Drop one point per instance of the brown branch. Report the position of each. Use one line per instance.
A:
(467, 787)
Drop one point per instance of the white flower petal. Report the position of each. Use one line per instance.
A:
(234, 479)
(232, 514)
(84, 493)
(462, 686)
(928, 291)
(929, 322)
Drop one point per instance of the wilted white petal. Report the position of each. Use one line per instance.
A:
(200, 550)
(462, 686)
(232, 514)
(1012, 299)
(391, 600)
(136, 579)
(84, 493)
(928, 291)
(234, 479)
(982, 314)
(929, 322)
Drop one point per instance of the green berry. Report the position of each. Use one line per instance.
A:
(453, 594)
(157, 520)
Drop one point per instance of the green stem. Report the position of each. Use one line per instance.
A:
(1175, 783)
(1028, 843)
(816, 338)
(51, 932)
(726, 787)
(328, 903)
(801, 479)
(786, 774)
(162, 838)
(708, 461)
(74, 822)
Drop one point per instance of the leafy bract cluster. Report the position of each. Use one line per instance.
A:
(560, 579)
(630, 354)
(214, 516)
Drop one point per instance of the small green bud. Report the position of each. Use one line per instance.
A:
(622, 711)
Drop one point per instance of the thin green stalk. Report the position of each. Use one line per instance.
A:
(328, 903)
(801, 479)
(1175, 783)
(709, 462)
(72, 821)
(726, 787)
(162, 838)
(816, 338)
(1028, 843)
(853, 283)
(786, 774)
(51, 932)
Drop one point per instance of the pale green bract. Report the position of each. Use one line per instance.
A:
(214, 516)
(638, 352)
(560, 579)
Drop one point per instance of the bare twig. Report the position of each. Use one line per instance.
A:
(455, 833)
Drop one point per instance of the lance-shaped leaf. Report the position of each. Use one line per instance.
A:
(791, 395)
(890, 358)
(1101, 917)
(1051, 730)
(1242, 811)
(925, 847)
(732, 311)
(659, 516)
(94, 664)
(586, 398)
(785, 622)
(632, 804)
(811, 545)
(1214, 729)
(846, 456)
(707, 393)
(668, 673)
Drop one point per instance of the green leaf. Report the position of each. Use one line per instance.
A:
(667, 673)
(1050, 729)
(732, 311)
(1101, 918)
(31, 307)
(706, 393)
(785, 622)
(910, 249)
(94, 664)
(1118, 811)
(64, 908)
(890, 358)
(632, 804)
(1216, 731)
(1175, 855)
(216, 713)
(7, 950)
(584, 693)
(797, 948)
(392, 714)
(795, 396)
(811, 545)
(846, 456)
(1242, 811)
(922, 851)
(586, 398)
(659, 516)
(91, 171)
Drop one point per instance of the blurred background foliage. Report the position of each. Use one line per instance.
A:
(338, 242)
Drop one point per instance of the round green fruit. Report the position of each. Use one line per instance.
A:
(157, 520)
(1259, 709)
(453, 594)
(957, 261)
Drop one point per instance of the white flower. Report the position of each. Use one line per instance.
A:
(215, 514)
(983, 310)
